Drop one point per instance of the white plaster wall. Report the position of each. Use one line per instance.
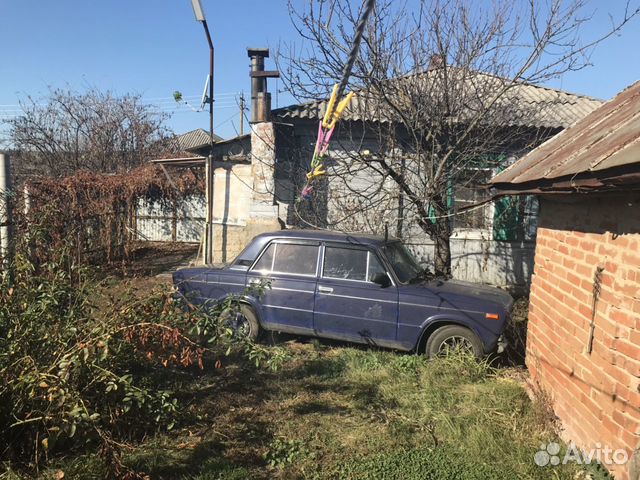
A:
(505, 264)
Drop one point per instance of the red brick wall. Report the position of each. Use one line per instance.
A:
(596, 395)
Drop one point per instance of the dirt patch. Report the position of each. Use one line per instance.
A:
(149, 259)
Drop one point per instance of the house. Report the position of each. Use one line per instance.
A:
(493, 244)
(243, 194)
(196, 142)
(583, 341)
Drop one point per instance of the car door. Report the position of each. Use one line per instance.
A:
(348, 304)
(290, 267)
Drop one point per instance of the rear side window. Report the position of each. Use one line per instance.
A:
(350, 264)
(289, 258)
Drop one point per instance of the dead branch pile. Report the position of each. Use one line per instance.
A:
(94, 213)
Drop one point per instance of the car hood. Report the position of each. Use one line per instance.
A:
(468, 290)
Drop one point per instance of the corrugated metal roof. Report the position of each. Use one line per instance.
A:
(523, 104)
(195, 139)
(607, 138)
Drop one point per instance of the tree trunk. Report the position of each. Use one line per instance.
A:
(441, 235)
(442, 264)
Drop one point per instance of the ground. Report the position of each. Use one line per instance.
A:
(338, 411)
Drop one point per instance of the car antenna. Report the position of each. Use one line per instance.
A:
(386, 232)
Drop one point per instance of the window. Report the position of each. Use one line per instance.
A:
(289, 258)
(515, 218)
(403, 263)
(468, 192)
(298, 259)
(265, 264)
(350, 264)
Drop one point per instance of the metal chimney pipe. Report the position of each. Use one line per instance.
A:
(260, 98)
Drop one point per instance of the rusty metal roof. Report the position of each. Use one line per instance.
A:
(523, 105)
(602, 149)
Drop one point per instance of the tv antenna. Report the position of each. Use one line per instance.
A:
(205, 93)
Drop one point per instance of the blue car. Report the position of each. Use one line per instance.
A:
(357, 288)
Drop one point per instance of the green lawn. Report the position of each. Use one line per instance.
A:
(339, 412)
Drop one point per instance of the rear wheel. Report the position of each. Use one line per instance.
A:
(453, 339)
(243, 321)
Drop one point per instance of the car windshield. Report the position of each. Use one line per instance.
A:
(403, 263)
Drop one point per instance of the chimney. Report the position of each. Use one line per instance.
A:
(260, 97)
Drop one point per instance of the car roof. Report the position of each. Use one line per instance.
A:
(329, 236)
(251, 251)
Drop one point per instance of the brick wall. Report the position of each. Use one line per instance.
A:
(596, 395)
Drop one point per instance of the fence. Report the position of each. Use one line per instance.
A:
(179, 221)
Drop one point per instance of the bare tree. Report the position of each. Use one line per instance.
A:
(439, 84)
(94, 131)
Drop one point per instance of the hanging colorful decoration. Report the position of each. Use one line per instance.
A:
(325, 130)
(334, 112)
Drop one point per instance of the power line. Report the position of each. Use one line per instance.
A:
(146, 100)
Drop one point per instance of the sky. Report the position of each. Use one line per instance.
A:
(155, 47)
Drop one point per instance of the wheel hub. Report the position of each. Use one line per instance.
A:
(455, 343)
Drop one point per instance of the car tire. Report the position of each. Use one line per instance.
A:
(451, 337)
(244, 321)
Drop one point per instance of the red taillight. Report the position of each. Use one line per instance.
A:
(492, 316)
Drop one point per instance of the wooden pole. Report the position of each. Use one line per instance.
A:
(6, 217)
(242, 113)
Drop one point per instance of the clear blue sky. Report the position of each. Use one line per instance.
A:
(154, 47)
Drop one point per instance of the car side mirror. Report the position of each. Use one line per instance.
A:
(381, 279)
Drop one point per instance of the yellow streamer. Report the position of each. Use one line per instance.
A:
(316, 172)
(340, 108)
(332, 101)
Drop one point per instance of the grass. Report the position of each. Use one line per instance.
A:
(339, 412)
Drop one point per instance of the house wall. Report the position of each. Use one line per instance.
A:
(479, 259)
(185, 220)
(595, 394)
(476, 256)
(244, 201)
(245, 197)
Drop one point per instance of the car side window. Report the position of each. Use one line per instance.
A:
(296, 259)
(265, 264)
(350, 264)
(375, 267)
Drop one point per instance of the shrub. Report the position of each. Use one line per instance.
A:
(74, 376)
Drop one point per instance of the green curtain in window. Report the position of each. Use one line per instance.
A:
(506, 214)
(506, 218)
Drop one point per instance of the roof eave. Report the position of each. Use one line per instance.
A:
(623, 178)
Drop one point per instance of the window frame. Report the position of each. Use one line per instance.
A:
(459, 231)
(276, 242)
(369, 251)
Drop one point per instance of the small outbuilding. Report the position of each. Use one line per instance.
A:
(583, 340)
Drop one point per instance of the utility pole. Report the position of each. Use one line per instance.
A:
(6, 218)
(209, 170)
(241, 113)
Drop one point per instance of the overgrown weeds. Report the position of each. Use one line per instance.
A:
(349, 413)
(74, 379)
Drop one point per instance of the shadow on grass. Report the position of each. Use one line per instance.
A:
(319, 407)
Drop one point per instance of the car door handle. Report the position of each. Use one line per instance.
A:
(322, 289)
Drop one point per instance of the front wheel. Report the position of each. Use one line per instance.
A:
(453, 339)
(243, 321)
